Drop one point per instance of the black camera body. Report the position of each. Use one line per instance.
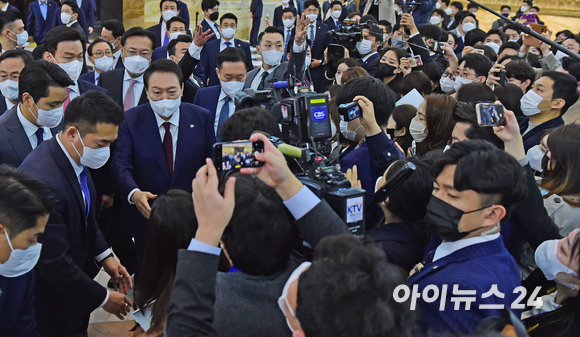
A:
(346, 37)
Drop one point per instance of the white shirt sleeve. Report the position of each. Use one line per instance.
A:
(195, 51)
(302, 203)
(198, 246)
(131, 194)
(103, 255)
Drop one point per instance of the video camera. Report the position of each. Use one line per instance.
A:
(409, 6)
(346, 37)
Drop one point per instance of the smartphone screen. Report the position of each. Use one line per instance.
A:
(489, 114)
(237, 155)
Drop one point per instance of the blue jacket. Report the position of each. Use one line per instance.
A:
(205, 26)
(17, 306)
(476, 267)
(207, 98)
(88, 77)
(36, 25)
(89, 7)
(209, 55)
(82, 21)
(422, 13)
(534, 136)
(139, 161)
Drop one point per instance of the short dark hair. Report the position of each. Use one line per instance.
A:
(506, 6)
(173, 20)
(209, 4)
(270, 30)
(228, 16)
(510, 95)
(446, 2)
(487, 170)
(499, 32)
(465, 113)
(114, 26)
(429, 31)
(230, 54)
(23, 199)
(8, 18)
(243, 123)
(479, 63)
(566, 33)
(138, 31)
(260, 236)
(289, 9)
(162, 1)
(520, 70)
(536, 8)
(475, 92)
(487, 52)
(386, 24)
(16, 54)
(92, 108)
(375, 90)
(512, 27)
(565, 87)
(38, 76)
(347, 276)
(529, 2)
(509, 57)
(60, 34)
(162, 66)
(97, 40)
(463, 14)
(368, 18)
(73, 6)
(470, 6)
(474, 36)
(309, 3)
(335, 2)
(433, 71)
(509, 45)
(416, 80)
(457, 5)
(398, 26)
(570, 65)
(171, 46)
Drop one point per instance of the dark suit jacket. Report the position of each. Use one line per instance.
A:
(278, 12)
(534, 136)
(209, 55)
(113, 81)
(139, 160)
(89, 77)
(207, 98)
(156, 30)
(36, 25)
(256, 8)
(14, 144)
(119, 63)
(70, 244)
(370, 65)
(205, 26)
(330, 22)
(160, 53)
(89, 7)
(296, 61)
(12, 8)
(81, 23)
(183, 13)
(17, 305)
(85, 86)
(321, 41)
(3, 106)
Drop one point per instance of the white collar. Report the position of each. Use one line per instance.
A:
(75, 87)
(71, 23)
(43, 4)
(447, 248)
(117, 54)
(78, 168)
(223, 41)
(211, 23)
(364, 59)
(5, 8)
(28, 127)
(128, 77)
(174, 120)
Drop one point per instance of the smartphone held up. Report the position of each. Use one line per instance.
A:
(237, 155)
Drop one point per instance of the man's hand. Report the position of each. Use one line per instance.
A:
(544, 47)
(301, 29)
(118, 305)
(467, 50)
(212, 210)
(141, 200)
(315, 63)
(90, 30)
(407, 20)
(510, 134)
(368, 119)
(106, 201)
(493, 80)
(119, 275)
(524, 48)
(200, 37)
(352, 176)
(251, 16)
(275, 172)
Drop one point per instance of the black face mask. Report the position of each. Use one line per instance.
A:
(214, 16)
(384, 70)
(545, 161)
(443, 220)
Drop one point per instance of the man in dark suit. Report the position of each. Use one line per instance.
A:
(367, 48)
(37, 118)
(71, 15)
(168, 9)
(112, 32)
(64, 46)
(211, 14)
(175, 27)
(279, 11)
(22, 223)
(88, 7)
(11, 64)
(183, 13)
(288, 23)
(66, 293)
(336, 12)
(101, 56)
(146, 165)
(12, 31)
(209, 53)
(177, 49)
(317, 35)
(256, 8)
(5, 7)
(41, 19)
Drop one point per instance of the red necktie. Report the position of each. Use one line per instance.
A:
(67, 100)
(168, 148)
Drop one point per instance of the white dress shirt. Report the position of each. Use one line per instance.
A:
(258, 78)
(364, 59)
(43, 8)
(116, 57)
(30, 129)
(218, 110)
(9, 105)
(78, 168)
(211, 24)
(5, 8)
(138, 87)
(71, 23)
(74, 91)
(163, 32)
(447, 248)
(97, 76)
(223, 43)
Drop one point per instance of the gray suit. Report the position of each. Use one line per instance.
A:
(14, 144)
(193, 296)
(296, 61)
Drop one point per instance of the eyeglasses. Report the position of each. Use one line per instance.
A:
(449, 75)
(7, 77)
(98, 54)
(144, 53)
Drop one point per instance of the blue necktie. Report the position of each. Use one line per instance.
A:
(228, 44)
(85, 188)
(166, 40)
(224, 114)
(39, 136)
(311, 35)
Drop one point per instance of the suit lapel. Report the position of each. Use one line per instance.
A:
(116, 86)
(150, 132)
(17, 137)
(185, 138)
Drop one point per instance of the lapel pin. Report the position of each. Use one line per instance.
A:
(190, 126)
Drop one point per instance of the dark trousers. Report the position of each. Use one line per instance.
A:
(255, 30)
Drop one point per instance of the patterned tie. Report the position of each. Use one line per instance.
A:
(85, 188)
(168, 148)
(217, 31)
(228, 44)
(67, 100)
(311, 35)
(39, 136)
(129, 96)
(264, 75)
(224, 114)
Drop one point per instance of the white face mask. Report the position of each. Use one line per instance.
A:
(333, 129)
(434, 20)
(437, 5)
(48, 118)
(283, 299)
(20, 261)
(529, 103)
(136, 64)
(468, 26)
(232, 88)
(523, 8)
(559, 56)
(168, 14)
(21, 39)
(535, 156)
(73, 68)
(493, 46)
(336, 14)
(93, 158)
(307, 62)
(417, 130)
(288, 23)
(513, 40)
(9, 89)
(547, 260)
(65, 17)
(228, 33)
(459, 81)
(174, 35)
(104, 63)
(272, 57)
(343, 125)
(447, 85)
(350, 135)
(448, 11)
(312, 17)
(364, 47)
(165, 107)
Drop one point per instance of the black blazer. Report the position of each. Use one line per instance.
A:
(113, 81)
(156, 30)
(370, 65)
(205, 26)
(14, 144)
(85, 86)
(3, 106)
(64, 281)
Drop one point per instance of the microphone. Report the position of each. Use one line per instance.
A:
(290, 150)
(280, 85)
